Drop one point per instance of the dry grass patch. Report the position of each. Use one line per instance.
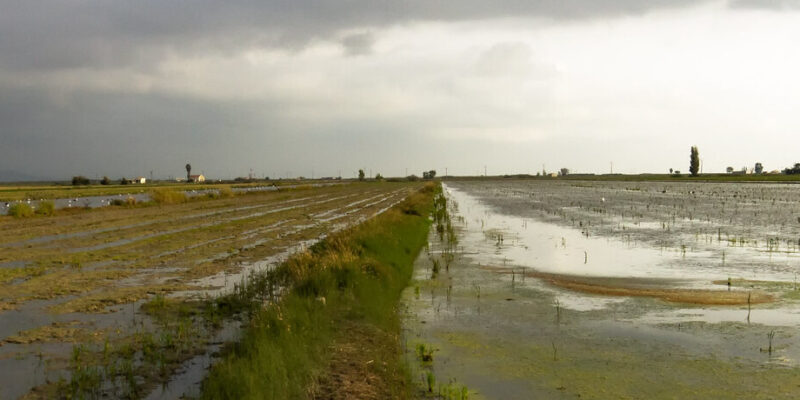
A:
(363, 365)
(632, 287)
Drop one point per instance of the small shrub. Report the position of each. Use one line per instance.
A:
(225, 191)
(46, 207)
(80, 180)
(20, 210)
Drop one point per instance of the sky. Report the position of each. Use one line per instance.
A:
(289, 88)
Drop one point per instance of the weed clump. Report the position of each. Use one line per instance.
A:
(167, 196)
(221, 193)
(425, 353)
(129, 201)
(430, 379)
(20, 210)
(46, 207)
(225, 191)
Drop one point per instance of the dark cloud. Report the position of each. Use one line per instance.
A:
(103, 33)
(112, 134)
(117, 134)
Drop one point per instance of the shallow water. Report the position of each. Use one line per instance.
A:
(509, 336)
(555, 248)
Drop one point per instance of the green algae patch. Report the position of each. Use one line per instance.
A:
(584, 370)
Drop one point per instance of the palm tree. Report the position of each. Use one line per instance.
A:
(188, 172)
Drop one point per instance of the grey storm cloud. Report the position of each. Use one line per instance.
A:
(101, 33)
(84, 90)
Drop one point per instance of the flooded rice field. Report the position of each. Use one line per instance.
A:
(139, 196)
(580, 289)
(89, 302)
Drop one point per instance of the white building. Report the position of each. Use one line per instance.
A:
(197, 178)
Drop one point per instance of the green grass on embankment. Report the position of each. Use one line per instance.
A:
(344, 295)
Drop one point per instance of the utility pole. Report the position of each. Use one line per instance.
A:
(445, 171)
(484, 170)
(612, 168)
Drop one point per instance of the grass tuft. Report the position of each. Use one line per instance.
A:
(20, 210)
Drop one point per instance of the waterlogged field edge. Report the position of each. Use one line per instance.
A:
(335, 332)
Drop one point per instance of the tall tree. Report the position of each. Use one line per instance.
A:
(694, 162)
(188, 172)
(759, 168)
(361, 174)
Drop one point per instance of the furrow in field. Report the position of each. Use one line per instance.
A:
(82, 234)
(135, 255)
(76, 245)
(19, 231)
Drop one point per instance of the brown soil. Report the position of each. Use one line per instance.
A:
(634, 287)
(363, 365)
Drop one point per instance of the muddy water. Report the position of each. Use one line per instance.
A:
(510, 336)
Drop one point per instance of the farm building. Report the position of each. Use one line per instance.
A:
(197, 178)
(140, 180)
